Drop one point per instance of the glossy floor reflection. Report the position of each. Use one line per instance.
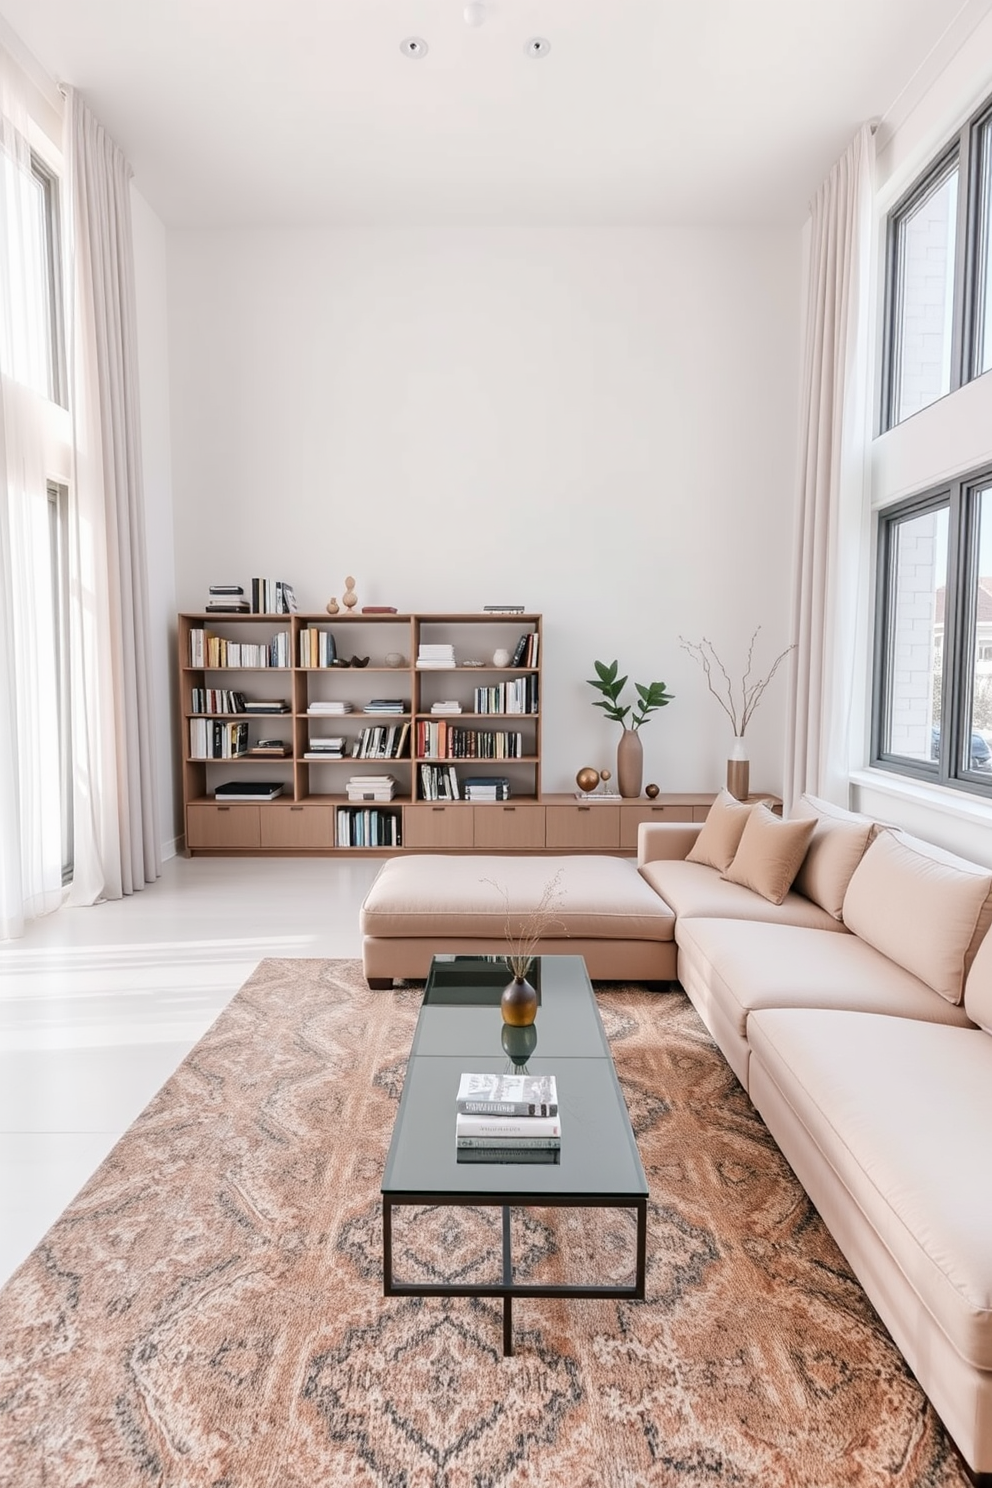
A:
(98, 1006)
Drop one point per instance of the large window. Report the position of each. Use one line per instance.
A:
(932, 713)
(938, 322)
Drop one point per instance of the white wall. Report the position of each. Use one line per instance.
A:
(599, 424)
(153, 372)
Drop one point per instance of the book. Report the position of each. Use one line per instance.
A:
(235, 589)
(227, 607)
(248, 790)
(510, 1144)
(263, 705)
(497, 1127)
(507, 1095)
(378, 609)
(270, 747)
(502, 609)
(550, 1155)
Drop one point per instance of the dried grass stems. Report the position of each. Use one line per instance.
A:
(751, 692)
(524, 930)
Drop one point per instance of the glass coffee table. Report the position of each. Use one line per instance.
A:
(460, 1030)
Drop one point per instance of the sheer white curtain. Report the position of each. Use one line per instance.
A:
(115, 830)
(831, 589)
(30, 813)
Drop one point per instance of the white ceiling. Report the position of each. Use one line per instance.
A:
(297, 112)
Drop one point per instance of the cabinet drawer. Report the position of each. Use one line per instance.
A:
(222, 826)
(433, 825)
(501, 826)
(583, 826)
(632, 816)
(297, 826)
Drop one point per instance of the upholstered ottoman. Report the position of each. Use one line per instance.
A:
(424, 904)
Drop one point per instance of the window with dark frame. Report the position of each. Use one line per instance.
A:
(932, 692)
(938, 280)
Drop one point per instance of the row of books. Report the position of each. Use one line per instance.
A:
(216, 700)
(507, 1118)
(272, 597)
(441, 783)
(381, 741)
(210, 738)
(445, 741)
(367, 828)
(317, 648)
(516, 696)
(209, 650)
(526, 652)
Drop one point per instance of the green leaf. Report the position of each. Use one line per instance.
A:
(607, 673)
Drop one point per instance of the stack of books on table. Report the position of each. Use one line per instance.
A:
(371, 788)
(327, 747)
(486, 788)
(439, 657)
(227, 599)
(389, 706)
(328, 709)
(507, 1118)
(448, 707)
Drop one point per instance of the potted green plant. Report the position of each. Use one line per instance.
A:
(630, 754)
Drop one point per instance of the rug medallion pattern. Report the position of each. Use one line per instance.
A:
(208, 1312)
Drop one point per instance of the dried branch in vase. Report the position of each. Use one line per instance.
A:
(739, 710)
(524, 930)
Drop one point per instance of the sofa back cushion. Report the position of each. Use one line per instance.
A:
(721, 834)
(839, 842)
(769, 854)
(924, 908)
(978, 987)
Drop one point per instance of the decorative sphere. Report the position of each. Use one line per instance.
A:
(605, 774)
(332, 607)
(587, 779)
(651, 791)
(395, 659)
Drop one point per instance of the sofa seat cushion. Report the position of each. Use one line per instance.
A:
(901, 1112)
(444, 896)
(746, 965)
(694, 889)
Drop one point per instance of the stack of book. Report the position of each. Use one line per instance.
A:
(448, 707)
(436, 657)
(486, 788)
(270, 749)
(227, 599)
(389, 706)
(264, 705)
(325, 747)
(507, 1118)
(371, 788)
(328, 709)
(248, 790)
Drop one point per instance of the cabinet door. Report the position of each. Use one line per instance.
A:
(297, 826)
(438, 826)
(589, 827)
(632, 816)
(502, 826)
(222, 826)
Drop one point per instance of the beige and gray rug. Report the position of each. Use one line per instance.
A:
(208, 1313)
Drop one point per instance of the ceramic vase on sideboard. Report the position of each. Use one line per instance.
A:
(630, 763)
(739, 770)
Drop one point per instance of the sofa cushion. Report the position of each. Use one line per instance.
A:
(721, 834)
(443, 895)
(839, 842)
(925, 908)
(746, 965)
(769, 853)
(694, 889)
(978, 987)
(900, 1111)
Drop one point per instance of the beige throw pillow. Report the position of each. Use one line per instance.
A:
(926, 909)
(769, 854)
(839, 842)
(722, 830)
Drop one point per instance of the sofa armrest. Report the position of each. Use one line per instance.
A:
(665, 840)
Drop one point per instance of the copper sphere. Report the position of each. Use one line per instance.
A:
(651, 791)
(587, 779)
(605, 774)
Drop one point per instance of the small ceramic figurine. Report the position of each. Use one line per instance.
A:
(501, 658)
(332, 607)
(349, 598)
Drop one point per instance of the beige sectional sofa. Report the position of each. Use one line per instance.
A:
(858, 1015)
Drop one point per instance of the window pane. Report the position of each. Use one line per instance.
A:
(916, 636)
(978, 754)
(925, 239)
(983, 266)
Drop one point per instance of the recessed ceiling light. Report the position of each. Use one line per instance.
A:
(413, 46)
(538, 46)
(474, 13)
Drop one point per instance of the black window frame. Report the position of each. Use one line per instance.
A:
(967, 293)
(961, 497)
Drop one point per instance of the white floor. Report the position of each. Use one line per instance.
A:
(98, 1006)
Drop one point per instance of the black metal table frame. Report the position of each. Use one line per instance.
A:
(507, 1288)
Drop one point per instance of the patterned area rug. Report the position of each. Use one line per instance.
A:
(209, 1312)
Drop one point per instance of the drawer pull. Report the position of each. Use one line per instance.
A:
(584, 808)
(437, 808)
(296, 808)
(223, 808)
(509, 808)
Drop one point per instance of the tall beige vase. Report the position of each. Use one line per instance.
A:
(630, 763)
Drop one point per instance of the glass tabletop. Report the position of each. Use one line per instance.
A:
(598, 1156)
